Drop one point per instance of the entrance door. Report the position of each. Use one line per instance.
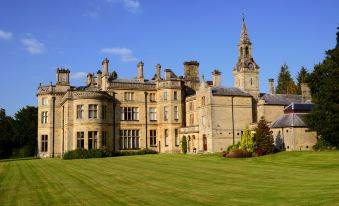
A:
(204, 139)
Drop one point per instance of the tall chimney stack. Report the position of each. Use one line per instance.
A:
(99, 73)
(216, 78)
(105, 67)
(305, 93)
(140, 71)
(271, 84)
(158, 70)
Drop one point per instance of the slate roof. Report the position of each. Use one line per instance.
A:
(300, 107)
(290, 120)
(133, 81)
(222, 91)
(281, 99)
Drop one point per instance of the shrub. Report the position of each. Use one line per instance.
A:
(247, 142)
(233, 147)
(99, 153)
(184, 145)
(260, 152)
(238, 153)
(322, 144)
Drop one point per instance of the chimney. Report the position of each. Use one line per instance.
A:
(105, 67)
(305, 93)
(140, 71)
(99, 73)
(168, 74)
(158, 70)
(216, 78)
(271, 84)
(89, 79)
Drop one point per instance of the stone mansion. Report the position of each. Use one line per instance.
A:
(132, 114)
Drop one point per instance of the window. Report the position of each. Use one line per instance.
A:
(165, 113)
(44, 101)
(165, 95)
(80, 111)
(92, 111)
(129, 139)
(44, 143)
(44, 117)
(80, 139)
(152, 97)
(129, 96)
(153, 138)
(176, 136)
(203, 120)
(166, 137)
(175, 95)
(191, 106)
(103, 139)
(129, 113)
(191, 119)
(153, 114)
(92, 139)
(176, 113)
(103, 112)
(203, 101)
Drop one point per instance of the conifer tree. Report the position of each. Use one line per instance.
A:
(324, 85)
(301, 78)
(247, 141)
(184, 145)
(286, 84)
(263, 137)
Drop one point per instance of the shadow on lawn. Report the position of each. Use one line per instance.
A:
(18, 159)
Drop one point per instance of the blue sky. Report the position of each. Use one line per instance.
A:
(38, 36)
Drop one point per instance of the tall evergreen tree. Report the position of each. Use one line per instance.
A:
(263, 137)
(301, 78)
(324, 86)
(6, 134)
(26, 121)
(286, 84)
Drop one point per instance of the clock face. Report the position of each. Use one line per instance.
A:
(250, 66)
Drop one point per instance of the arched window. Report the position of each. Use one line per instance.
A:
(246, 51)
(241, 52)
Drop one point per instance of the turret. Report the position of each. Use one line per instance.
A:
(62, 77)
(158, 72)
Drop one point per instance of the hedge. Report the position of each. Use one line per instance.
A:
(100, 153)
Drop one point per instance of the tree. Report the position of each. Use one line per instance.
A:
(263, 137)
(247, 141)
(26, 121)
(301, 78)
(184, 145)
(324, 85)
(286, 84)
(6, 134)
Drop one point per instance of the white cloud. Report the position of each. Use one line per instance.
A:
(78, 75)
(33, 46)
(5, 35)
(125, 54)
(132, 6)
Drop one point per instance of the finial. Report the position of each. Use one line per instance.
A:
(203, 78)
(243, 16)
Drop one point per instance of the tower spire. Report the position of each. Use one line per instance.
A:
(244, 39)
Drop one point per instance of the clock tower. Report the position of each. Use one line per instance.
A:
(246, 71)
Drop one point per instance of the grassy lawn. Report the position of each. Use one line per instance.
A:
(288, 178)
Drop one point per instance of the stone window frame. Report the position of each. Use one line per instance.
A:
(92, 140)
(44, 143)
(176, 112)
(129, 113)
(175, 95)
(166, 137)
(129, 139)
(103, 111)
(176, 137)
(129, 96)
(80, 139)
(44, 117)
(80, 111)
(153, 137)
(165, 113)
(153, 114)
(92, 111)
(44, 101)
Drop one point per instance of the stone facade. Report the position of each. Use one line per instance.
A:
(132, 114)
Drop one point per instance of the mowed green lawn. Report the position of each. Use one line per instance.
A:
(288, 178)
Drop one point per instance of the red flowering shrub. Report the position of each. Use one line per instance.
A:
(238, 153)
(260, 152)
